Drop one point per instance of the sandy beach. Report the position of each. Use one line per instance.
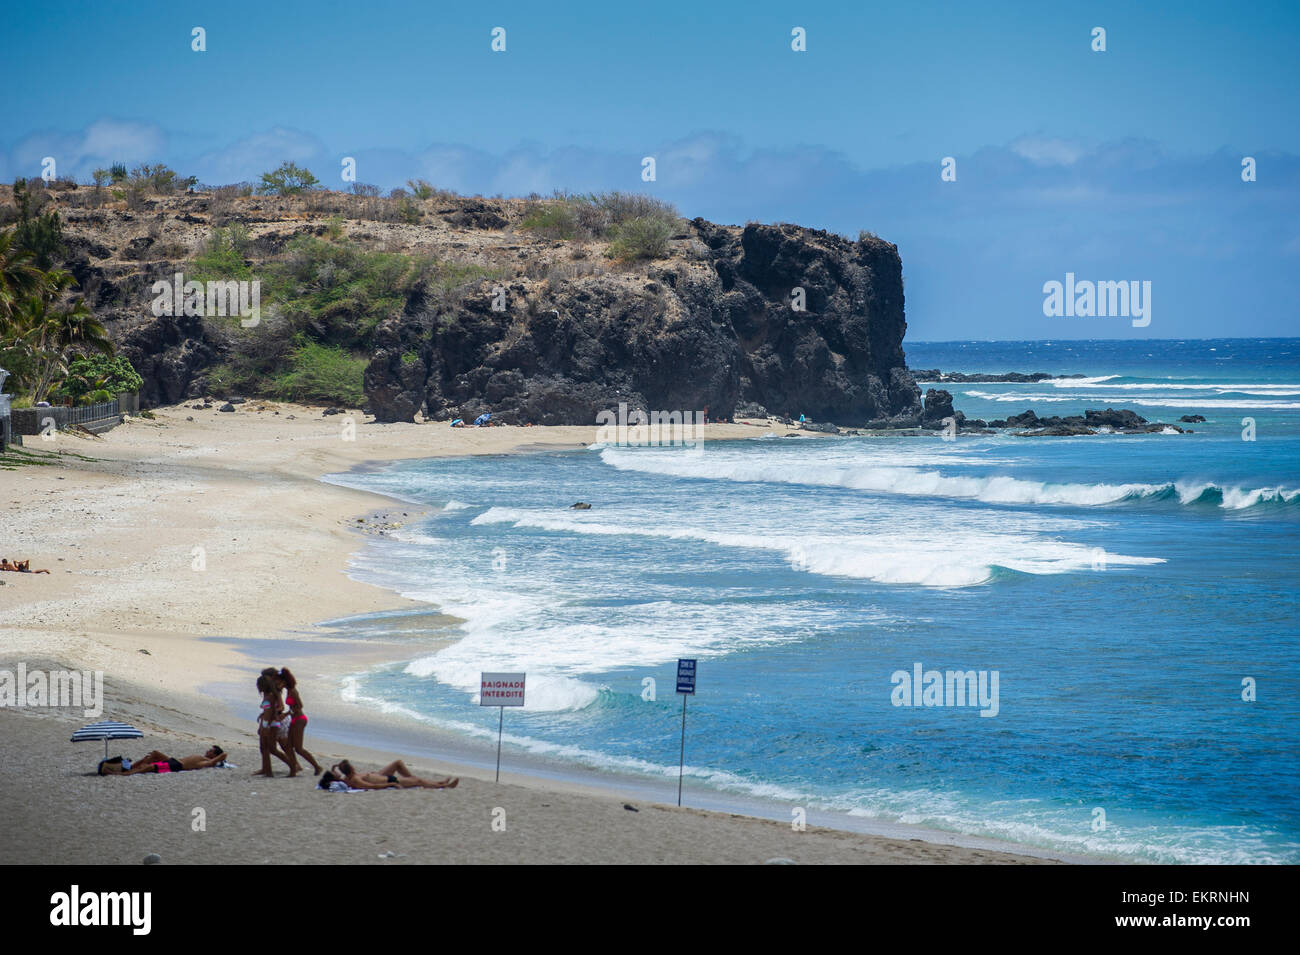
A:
(163, 534)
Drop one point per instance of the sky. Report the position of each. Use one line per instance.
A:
(1122, 165)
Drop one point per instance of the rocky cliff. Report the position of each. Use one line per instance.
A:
(706, 331)
(556, 333)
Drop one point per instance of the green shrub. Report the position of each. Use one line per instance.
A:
(222, 256)
(94, 374)
(556, 219)
(117, 172)
(288, 179)
(159, 179)
(644, 237)
(321, 373)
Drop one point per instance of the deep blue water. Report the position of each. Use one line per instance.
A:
(1122, 588)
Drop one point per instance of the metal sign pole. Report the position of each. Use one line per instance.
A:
(500, 723)
(681, 761)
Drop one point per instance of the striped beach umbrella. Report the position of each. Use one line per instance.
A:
(106, 730)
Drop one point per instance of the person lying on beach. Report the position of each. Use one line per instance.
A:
(20, 567)
(156, 762)
(393, 776)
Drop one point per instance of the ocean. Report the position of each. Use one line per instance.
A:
(1133, 597)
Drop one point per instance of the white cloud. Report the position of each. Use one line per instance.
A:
(246, 159)
(78, 154)
(1048, 151)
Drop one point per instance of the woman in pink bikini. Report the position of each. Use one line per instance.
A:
(297, 719)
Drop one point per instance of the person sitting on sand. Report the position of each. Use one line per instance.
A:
(393, 776)
(156, 762)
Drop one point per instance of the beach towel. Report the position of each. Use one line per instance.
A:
(342, 787)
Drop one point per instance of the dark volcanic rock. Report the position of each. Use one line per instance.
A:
(957, 377)
(821, 427)
(568, 349)
(1115, 419)
(1060, 430)
(1192, 419)
(168, 353)
(938, 405)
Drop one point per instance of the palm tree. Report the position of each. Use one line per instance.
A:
(48, 333)
(19, 281)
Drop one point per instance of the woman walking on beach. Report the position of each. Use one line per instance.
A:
(297, 719)
(269, 721)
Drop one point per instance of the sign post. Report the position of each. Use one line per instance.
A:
(686, 687)
(501, 690)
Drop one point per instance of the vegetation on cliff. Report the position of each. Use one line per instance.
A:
(540, 310)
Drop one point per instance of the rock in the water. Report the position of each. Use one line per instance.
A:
(938, 405)
(822, 427)
(1057, 431)
(1115, 419)
(580, 506)
(1192, 419)
(153, 858)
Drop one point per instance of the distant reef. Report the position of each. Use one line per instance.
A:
(957, 377)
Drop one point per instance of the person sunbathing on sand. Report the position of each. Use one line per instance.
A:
(393, 776)
(20, 567)
(156, 762)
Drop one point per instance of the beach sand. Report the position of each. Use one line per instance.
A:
(164, 532)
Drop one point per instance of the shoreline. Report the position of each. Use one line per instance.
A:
(168, 633)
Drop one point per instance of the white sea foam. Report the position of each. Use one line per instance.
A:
(934, 556)
(1154, 401)
(885, 480)
(456, 506)
(1278, 389)
(912, 482)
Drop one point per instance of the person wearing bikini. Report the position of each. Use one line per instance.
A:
(269, 725)
(297, 719)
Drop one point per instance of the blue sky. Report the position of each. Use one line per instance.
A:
(1122, 165)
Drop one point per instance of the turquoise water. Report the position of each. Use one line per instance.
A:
(1121, 587)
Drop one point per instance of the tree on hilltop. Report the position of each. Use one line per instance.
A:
(289, 179)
